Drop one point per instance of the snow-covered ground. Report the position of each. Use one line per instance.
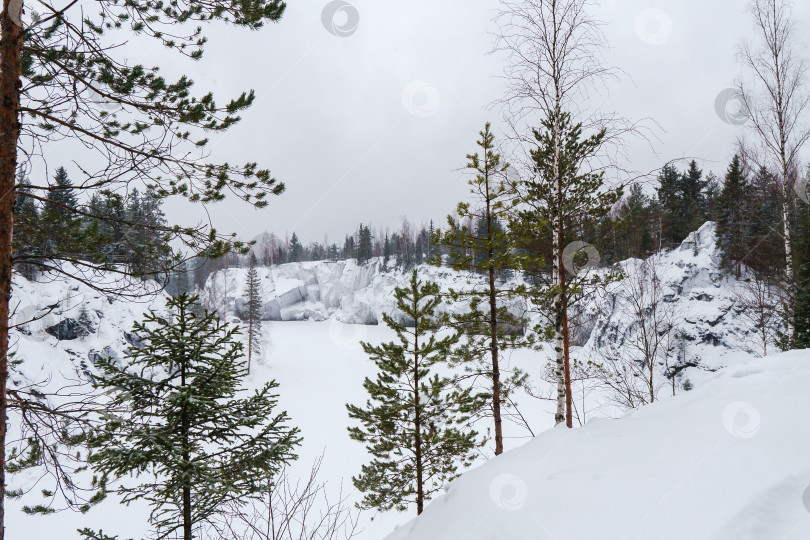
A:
(650, 472)
(726, 461)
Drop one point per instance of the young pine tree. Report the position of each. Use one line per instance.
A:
(180, 424)
(414, 423)
(559, 199)
(253, 307)
(486, 322)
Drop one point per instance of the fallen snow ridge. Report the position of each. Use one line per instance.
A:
(727, 461)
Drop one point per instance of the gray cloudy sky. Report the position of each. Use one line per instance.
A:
(375, 125)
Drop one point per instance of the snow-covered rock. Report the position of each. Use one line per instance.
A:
(704, 300)
(343, 290)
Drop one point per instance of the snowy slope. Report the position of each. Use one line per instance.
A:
(705, 303)
(727, 461)
(320, 367)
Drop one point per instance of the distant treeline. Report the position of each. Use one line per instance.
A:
(745, 204)
(109, 229)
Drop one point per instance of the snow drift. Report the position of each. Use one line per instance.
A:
(727, 461)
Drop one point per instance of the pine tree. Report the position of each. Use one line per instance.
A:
(253, 308)
(558, 201)
(487, 321)
(414, 422)
(178, 422)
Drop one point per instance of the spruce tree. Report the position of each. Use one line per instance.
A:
(253, 311)
(386, 250)
(27, 229)
(296, 249)
(61, 233)
(692, 196)
(179, 423)
(364, 245)
(487, 322)
(734, 220)
(669, 180)
(61, 197)
(415, 422)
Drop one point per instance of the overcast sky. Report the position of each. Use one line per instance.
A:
(374, 124)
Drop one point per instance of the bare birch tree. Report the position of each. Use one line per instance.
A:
(775, 95)
(761, 305)
(635, 369)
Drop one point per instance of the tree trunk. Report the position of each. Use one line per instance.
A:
(250, 332)
(417, 422)
(185, 426)
(556, 273)
(569, 405)
(496, 370)
(493, 329)
(10, 58)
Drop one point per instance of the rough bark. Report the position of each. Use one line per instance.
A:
(10, 47)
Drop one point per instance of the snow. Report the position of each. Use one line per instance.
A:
(726, 461)
(722, 461)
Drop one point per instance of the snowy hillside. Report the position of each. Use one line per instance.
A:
(705, 303)
(726, 461)
(316, 357)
